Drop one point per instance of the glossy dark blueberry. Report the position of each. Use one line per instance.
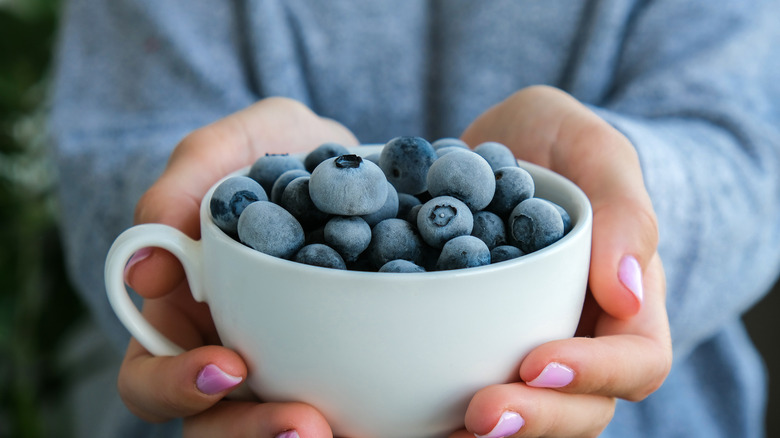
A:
(513, 186)
(496, 154)
(389, 208)
(490, 228)
(317, 254)
(349, 235)
(401, 266)
(296, 200)
(463, 252)
(270, 229)
(230, 198)
(269, 167)
(405, 161)
(464, 175)
(503, 253)
(443, 218)
(394, 239)
(281, 183)
(535, 224)
(348, 185)
(322, 153)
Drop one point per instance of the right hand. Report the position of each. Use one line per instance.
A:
(161, 388)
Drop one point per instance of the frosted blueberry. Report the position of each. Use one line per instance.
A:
(230, 198)
(322, 153)
(489, 228)
(464, 175)
(297, 200)
(463, 252)
(504, 252)
(446, 142)
(389, 208)
(349, 235)
(534, 224)
(443, 218)
(405, 161)
(394, 239)
(267, 168)
(405, 204)
(567, 225)
(348, 185)
(270, 229)
(317, 254)
(497, 154)
(401, 266)
(513, 186)
(281, 183)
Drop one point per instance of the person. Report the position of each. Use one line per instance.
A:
(664, 112)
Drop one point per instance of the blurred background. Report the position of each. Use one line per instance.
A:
(38, 307)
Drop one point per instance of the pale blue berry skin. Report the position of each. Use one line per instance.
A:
(567, 224)
(446, 150)
(267, 169)
(388, 210)
(270, 229)
(463, 252)
(411, 217)
(405, 161)
(446, 142)
(489, 228)
(349, 235)
(322, 153)
(405, 204)
(230, 198)
(297, 200)
(348, 185)
(513, 186)
(281, 183)
(374, 158)
(443, 218)
(394, 239)
(464, 175)
(317, 254)
(401, 266)
(503, 253)
(535, 224)
(496, 154)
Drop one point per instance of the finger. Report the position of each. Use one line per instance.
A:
(628, 359)
(161, 388)
(273, 125)
(243, 419)
(518, 410)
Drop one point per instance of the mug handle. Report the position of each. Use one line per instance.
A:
(189, 253)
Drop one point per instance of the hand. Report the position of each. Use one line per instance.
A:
(622, 347)
(193, 384)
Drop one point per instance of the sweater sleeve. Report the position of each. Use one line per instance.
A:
(126, 89)
(696, 92)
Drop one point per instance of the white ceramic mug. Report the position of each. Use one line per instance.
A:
(379, 354)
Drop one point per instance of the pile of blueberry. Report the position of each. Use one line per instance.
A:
(415, 206)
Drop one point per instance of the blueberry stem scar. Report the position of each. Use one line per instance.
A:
(348, 161)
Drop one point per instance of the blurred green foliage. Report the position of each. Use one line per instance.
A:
(37, 306)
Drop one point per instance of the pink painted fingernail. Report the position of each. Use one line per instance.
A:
(212, 380)
(554, 375)
(630, 274)
(137, 257)
(509, 423)
(288, 434)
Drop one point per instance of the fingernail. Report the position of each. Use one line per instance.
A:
(212, 380)
(509, 423)
(137, 257)
(630, 274)
(554, 375)
(288, 434)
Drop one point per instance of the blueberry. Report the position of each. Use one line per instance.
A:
(281, 182)
(405, 161)
(374, 158)
(463, 252)
(503, 253)
(464, 175)
(565, 216)
(267, 168)
(411, 217)
(322, 153)
(497, 154)
(317, 254)
(394, 239)
(349, 235)
(230, 198)
(443, 218)
(535, 224)
(401, 266)
(513, 186)
(449, 142)
(270, 229)
(296, 200)
(348, 185)
(489, 228)
(405, 204)
(388, 210)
